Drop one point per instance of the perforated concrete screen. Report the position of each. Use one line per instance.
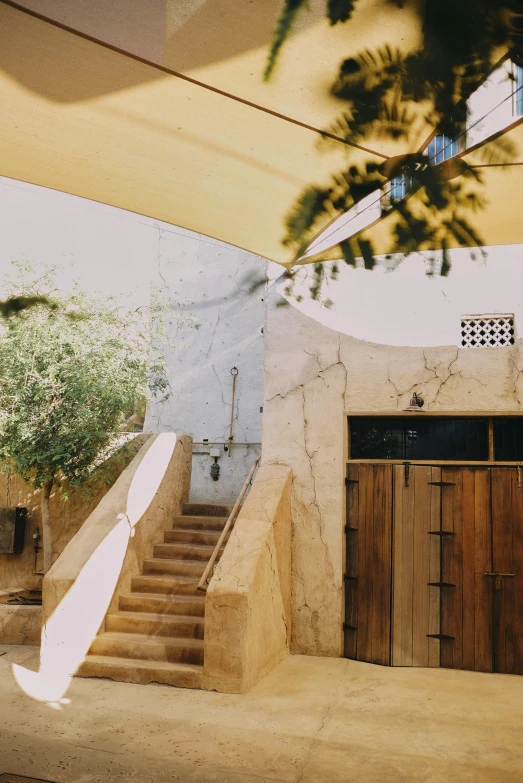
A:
(487, 331)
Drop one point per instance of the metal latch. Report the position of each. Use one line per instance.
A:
(498, 577)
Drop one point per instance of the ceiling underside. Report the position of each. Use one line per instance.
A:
(180, 126)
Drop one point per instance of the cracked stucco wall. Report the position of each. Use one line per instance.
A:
(313, 374)
(214, 281)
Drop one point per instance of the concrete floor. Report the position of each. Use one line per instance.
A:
(312, 719)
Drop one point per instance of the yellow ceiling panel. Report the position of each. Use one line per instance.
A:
(83, 119)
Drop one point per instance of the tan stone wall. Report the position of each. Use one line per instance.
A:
(20, 624)
(313, 375)
(66, 519)
(109, 549)
(247, 607)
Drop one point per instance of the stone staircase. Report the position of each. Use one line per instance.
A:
(157, 633)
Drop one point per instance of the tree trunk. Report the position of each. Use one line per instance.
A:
(47, 541)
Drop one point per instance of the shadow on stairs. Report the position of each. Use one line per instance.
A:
(157, 634)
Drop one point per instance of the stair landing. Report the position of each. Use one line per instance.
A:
(157, 633)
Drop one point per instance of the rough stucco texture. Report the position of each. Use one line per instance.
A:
(99, 562)
(214, 280)
(313, 375)
(20, 624)
(247, 606)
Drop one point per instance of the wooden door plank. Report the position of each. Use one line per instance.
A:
(382, 544)
(415, 609)
(434, 623)
(365, 574)
(407, 523)
(420, 567)
(502, 559)
(351, 569)
(397, 566)
(517, 563)
(471, 478)
(452, 556)
(482, 563)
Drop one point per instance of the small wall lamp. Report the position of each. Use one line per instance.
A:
(416, 402)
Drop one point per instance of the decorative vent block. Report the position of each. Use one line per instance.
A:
(487, 331)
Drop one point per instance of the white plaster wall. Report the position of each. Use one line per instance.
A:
(315, 374)
(400, 303)
(215, 280)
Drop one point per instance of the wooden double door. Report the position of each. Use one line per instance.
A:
(434, 566)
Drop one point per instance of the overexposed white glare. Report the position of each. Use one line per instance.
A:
(91, 563)
(102, 248)
(406, 306)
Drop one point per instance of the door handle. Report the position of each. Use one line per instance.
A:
(498, 577)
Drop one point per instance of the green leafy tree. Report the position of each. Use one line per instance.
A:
(70, 376)
(384, 91)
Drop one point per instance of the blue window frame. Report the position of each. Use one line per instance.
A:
(442, 148)
(518, 90)
(399, 187)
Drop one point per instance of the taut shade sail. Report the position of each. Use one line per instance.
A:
(189, 134)
(81, 118)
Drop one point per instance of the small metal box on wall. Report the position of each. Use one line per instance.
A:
(12, 530)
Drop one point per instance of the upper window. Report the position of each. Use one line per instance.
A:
(399, 187)
(419, 438)
(508, 439)
(518, 90)
(442, 148)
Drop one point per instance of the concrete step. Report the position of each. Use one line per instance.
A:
(162, 565)
(165, 583)
(206, 510)
(179, 551)
(155, 624)
(181, 675)
(150, 648)
(163, 603)
(192, 536)
(212, 524)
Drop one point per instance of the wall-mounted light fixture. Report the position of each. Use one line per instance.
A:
(416, 402)
(215, 468)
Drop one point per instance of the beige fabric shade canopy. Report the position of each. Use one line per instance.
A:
(165, 113)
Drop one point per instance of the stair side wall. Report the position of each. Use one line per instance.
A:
(109, 549)
(248, 603)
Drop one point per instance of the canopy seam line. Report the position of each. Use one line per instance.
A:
(189, 79)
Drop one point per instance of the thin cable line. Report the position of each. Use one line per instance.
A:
(189, 79)
(469, 128)
(326, 236)
(453, 141)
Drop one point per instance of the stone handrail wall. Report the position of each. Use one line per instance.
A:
(109, 549)
(247, 605)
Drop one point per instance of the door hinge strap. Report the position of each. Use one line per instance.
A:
(440, 584)
(442, 636)
(441, 483)
(347, 627)
(441, 533)
(348, 578)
